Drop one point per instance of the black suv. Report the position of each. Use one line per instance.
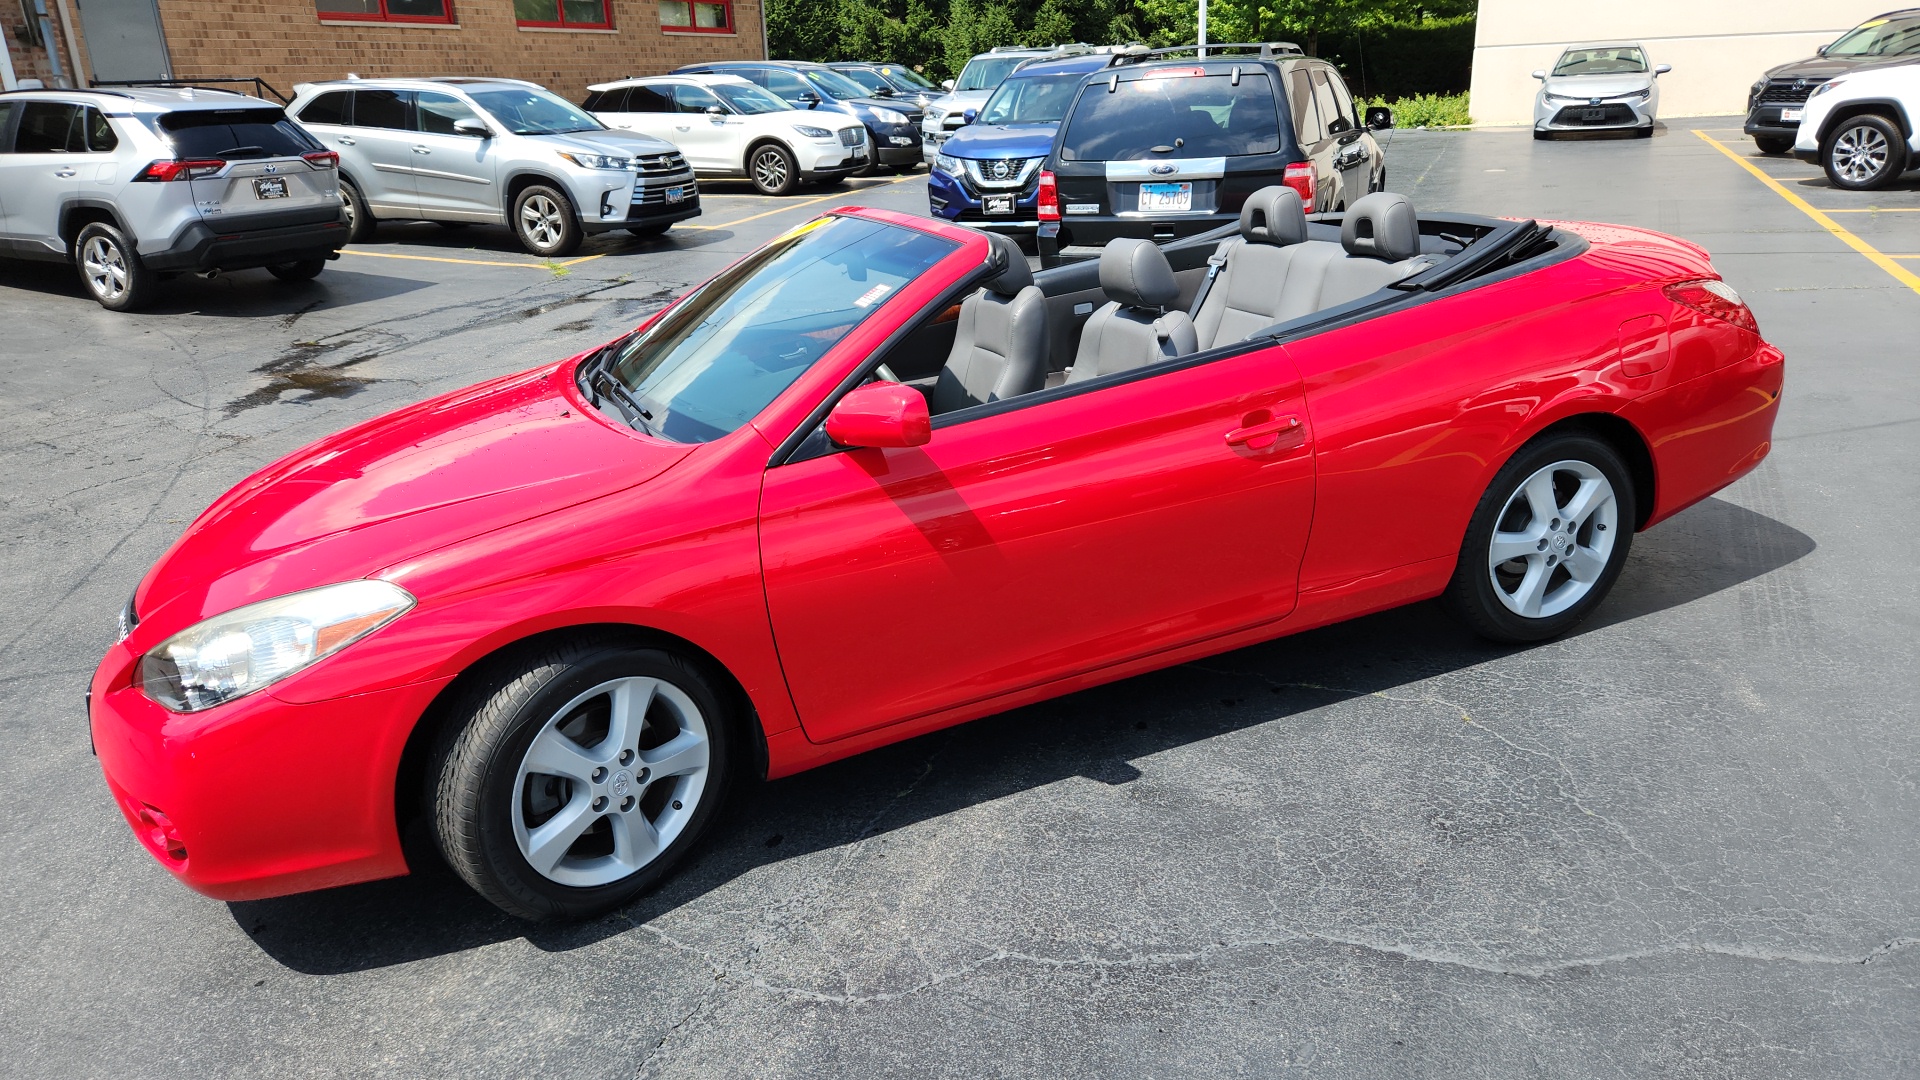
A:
(1775, 102)
(893, 123)
(1160, 148)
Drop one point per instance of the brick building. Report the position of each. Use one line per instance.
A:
(561, 44)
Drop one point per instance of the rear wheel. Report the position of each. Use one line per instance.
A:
(772, 169)
(1769, 145)
(1864, 152)
(304, 270)
(1547, 540)
(360, 220)
(545, 223)
(576, 778)
(110, 269)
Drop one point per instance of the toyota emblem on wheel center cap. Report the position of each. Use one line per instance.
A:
(621, 781)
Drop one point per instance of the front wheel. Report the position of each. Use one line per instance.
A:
(304, 270)
(772, 169)
(574, 779)
(1769, 145)
(1864, 152)
(1547, 540)
(110, 268)
(544, 222)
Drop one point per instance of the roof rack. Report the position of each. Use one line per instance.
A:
(65, 90)
(206, 83)
(1267, 50)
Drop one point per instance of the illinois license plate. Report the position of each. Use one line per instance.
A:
(1790, 116)
(997, 204)
(676, 194)
(270, 187)
(1159, 198)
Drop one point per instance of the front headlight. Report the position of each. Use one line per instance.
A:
(596, 161)
(234, 654)
(812, 132)
(1825, 86)
(947, 163)
(1758, 85)
(888, 116)
(1565, 100)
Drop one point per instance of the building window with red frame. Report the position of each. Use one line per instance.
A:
(696, 16)
(563, 14)
(408, 11)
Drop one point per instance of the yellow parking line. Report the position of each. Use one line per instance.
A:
(795, 206)
(1900, 273)
(575, 262)
(439, 259)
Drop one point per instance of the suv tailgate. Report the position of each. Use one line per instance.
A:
(266, 183)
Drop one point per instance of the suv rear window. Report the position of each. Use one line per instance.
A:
(230, 133)
(1208, 114)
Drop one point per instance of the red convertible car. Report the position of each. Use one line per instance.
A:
(877, 478)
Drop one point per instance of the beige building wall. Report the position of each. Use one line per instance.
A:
(1717, 47)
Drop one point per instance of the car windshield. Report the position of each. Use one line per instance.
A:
(749, 99)
(834, 85)
(906, 77)
(1174, 116)
(1880, 37)
(719, 356)
(1033, 100)
(525, 110)
(987, 72)
(868, 78)
(1623, 61)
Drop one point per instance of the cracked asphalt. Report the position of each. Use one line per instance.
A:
(1680, 842)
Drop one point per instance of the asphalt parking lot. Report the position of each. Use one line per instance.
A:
(1679, 842)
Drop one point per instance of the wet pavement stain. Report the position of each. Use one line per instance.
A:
(298, 373)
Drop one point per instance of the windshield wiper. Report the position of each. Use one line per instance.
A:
(636, 415)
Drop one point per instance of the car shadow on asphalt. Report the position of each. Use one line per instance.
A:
(1096, 734)
(243, 294)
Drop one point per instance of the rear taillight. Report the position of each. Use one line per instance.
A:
(163, 171)
(1715, 299)
(322, 159)
(1047, 201)
(1299, 176)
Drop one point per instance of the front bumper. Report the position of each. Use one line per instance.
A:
(952, 199)
(1607, 116)
(649, 205)
(821, 158)
(257, 797)
(1764, 121)
(200, 247)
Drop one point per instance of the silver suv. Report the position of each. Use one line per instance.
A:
(133, 185)
(494, 151)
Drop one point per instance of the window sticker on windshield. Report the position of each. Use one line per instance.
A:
(872, 296)
(1870, 23)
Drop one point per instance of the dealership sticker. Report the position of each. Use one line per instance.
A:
(872, 296)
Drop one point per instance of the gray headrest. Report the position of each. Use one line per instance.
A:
(1274, 215)
(1135, 274)
(1016, 275)
(1381, 226)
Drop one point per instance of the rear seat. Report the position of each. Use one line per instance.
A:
(1272, 273)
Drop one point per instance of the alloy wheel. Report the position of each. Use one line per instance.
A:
(105, 266)
(541, 220)
(610, 781)
(770, 169)
(1860, 153)
(1553, 539)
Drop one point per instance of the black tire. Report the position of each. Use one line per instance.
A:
(304, 270)
(902, 170)
(1541, 136)
(1474, 593)
(360, 221)
(650, 231)
(772, 169)
(475, 785)
(1864, 152)
(545, 222)
(1769, 145)
(110, 269)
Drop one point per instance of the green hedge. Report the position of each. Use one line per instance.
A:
(1426, 110)
(1401, 61)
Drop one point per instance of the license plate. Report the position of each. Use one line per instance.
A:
(1593, 114)
(1155, 198)
(997, 204)
(676, 194)
(1790, 116)
(858, 156)
(270, 187)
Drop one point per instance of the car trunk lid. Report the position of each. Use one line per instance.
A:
(267, 180)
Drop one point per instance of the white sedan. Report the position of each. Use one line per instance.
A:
(1598, 87)
(727, 127)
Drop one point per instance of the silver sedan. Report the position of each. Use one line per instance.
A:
(1600, 87)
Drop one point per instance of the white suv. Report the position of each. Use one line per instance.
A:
(492, 151)
(1857, 126)
(133, 185)
(728, 127)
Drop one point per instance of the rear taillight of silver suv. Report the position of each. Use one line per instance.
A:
(321, 159)
(164, 171)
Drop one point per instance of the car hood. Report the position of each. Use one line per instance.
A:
(397, 487)
(1826, 67)
(1597, 86)
(630, 143)
(961, 101)
(1001, 141)
(896, 104)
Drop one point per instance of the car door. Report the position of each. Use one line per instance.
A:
(1032, 544)
(710, 142)
(647, 109)
(41, 171)
(454, 173)
(1315, 145)
(382, 136)
(1352, 159)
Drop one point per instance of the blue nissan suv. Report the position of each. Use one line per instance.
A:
(987, 174)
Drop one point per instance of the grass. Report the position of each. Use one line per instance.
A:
(1428, 110)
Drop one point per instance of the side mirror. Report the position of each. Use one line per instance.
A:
(1540, 73)
(947, 84)
(969, 116)
(1379, 118)
(885, 91)
(1822, 50)
(1339, 125)
(880, 414)
(810, 99)
(1662, 69)
(472, 126)
(716, 110)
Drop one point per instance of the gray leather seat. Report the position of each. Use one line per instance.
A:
(1134, 327)
(1272, 273)
(1000, 345)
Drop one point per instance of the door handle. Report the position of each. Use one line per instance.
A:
(680, 127)
(422, 150)
(344, 141)
(1264, 431)
(63, 172)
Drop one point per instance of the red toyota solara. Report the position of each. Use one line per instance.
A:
(877, 478)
